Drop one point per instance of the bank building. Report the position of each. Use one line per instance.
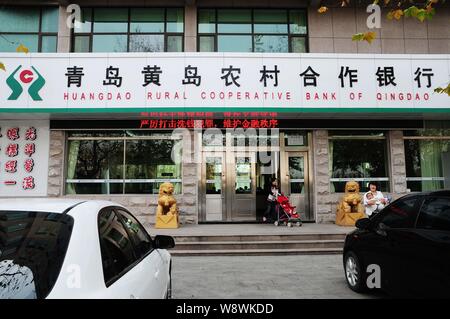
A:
(219, 98)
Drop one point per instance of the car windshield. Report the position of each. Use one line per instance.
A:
(32, 250)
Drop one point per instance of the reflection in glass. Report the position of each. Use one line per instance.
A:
(147, 20)
(111, 20)
(271, 43)
(206, 21)
(49, 21)
(174, 43)
(358, 158)
(213, 175)
(243, 175)
(296, 174)
(206, 44)
(8, 42)
(298, 23)
(147, 43)
(270, 21)
(19, 19)
(175, 20)
(298, 45)
(81, 43)
(427, 164)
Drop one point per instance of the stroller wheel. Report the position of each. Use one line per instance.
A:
(299, 224)
(289, 224)
(276, 223)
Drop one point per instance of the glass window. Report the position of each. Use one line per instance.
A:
(116, 248)
(435, 214)
(35, 28)
(49, 44)
(214, 175)
(271, 43)
(358, 156)
(257, 30)
(174, 43)
(427, 161)
(400, 214)
(49, 20)
(110, 20)
(206, 21)
(147, 20)
(234, 43)
(147, 43)
(139, 236)
(32, 250)
(243, 175)
(298, 45)
(295, 138)
(175, 20)
(206, 44)
(85, 23)
(81, 43)
(126, 165)
(135, 30)
(109, 43)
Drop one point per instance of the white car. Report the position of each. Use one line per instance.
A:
(67, 248)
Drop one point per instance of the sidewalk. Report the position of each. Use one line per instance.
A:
(250, 229)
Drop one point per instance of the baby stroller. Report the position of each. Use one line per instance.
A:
(286, 213)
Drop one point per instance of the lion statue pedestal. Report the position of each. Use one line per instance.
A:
(167, 211)
(350, 208)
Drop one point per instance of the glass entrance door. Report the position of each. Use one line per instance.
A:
(295, 182)
(242, 188)
(214, 180)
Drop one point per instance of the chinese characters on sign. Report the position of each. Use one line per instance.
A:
(221, 80)
(23, 159)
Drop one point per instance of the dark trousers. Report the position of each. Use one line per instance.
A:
(271, 212)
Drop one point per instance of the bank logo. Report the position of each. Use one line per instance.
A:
(26, 76)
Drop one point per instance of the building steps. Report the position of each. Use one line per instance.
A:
(254, 245)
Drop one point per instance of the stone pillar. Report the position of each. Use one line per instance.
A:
(397, 163)
(63, 31)
(56, 164)
(323, 200)
(190, 25)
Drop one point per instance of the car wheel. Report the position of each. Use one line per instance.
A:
(354, 273)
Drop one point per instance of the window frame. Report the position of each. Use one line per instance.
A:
(40, 34)
(119, 275)
(386, 179)
(252, 34)
(91, 33)
(152, 136)
(422, 138)
(424, 200)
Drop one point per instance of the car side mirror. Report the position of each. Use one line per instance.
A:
(163, 242)
(363, 223)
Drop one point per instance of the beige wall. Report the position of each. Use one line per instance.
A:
(332, 32)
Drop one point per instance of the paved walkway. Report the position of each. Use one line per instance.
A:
(255, 277)
(251, 229)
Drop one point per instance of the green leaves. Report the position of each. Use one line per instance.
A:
(426, 13)
(368, 36)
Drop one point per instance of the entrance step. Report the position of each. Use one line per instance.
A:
(235, 245)
(257, 252)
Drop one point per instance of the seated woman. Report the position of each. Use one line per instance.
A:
(374, 200)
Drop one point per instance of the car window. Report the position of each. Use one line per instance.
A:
(435, 214)
(33, 246)
(116, 247)
(400, 214)
(138, 234)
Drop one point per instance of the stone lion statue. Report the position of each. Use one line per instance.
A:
(351, 207)
(167, 210)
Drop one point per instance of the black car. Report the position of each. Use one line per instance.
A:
(404, 249)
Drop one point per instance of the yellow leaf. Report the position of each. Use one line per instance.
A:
(369, 37)
(398, 14)
(2, 66)
(22, 48)
(322, 9)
